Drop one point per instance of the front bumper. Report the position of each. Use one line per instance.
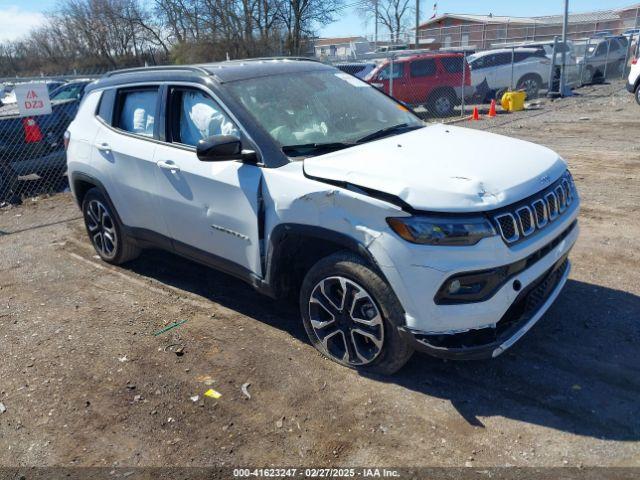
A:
(524, 313)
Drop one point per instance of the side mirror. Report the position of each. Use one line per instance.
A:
(223, 147)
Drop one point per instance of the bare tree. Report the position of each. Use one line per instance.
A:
(107, 34)
(395, 15)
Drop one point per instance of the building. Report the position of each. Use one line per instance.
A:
(341, 48)
(453, 30)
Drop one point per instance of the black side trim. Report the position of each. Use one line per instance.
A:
(149, 238)
(276, 257)
(83, 177)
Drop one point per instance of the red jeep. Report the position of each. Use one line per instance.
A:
(432, 80)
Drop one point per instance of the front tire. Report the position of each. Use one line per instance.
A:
(531, 84)
(637, 95)
(105, 231)
(352, 316)
(442, 103)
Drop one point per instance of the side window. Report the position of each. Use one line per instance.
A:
(136, 111)
(453, 64)
(522, 56)
(503, 59)
(105, 107)
(423, 68)
(195, 116)
(398, 71)
(601, 50)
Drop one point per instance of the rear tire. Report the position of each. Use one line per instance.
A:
(531, 84)
(588, 76)
(351, 315)
(637, 95)
(105, 230)
(442, 103)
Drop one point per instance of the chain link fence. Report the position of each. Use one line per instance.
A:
(450, 80)
(453, 70)
(32, 155)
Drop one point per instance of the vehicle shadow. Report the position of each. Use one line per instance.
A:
(577, 370)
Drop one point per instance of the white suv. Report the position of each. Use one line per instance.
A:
(299, 178)
(495, 71)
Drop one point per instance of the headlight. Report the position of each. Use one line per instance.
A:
(442, 230)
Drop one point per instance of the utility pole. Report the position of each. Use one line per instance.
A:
(417, 24)
(563, 67)
(376, 25)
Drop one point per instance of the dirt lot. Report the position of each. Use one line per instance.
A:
(85, 381)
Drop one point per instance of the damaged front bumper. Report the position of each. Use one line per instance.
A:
(524, 313)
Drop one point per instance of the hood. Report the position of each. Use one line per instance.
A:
(444, 169)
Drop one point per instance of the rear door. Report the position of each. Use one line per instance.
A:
(210, 208)
(124, 149)
(483, 69)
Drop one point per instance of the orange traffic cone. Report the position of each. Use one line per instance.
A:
(476, 114)
(492, 109)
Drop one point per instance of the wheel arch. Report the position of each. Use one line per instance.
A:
(294, 248)
(535, 75)
(81, 183)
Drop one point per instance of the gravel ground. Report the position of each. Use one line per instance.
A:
(85, 381)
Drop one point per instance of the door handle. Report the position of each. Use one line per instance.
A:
(103, 147)
(168, 165)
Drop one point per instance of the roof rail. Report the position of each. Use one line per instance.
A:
(188, 68)
(281, 57)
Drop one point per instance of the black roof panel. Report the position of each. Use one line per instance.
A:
(223, 72)
(244, 69)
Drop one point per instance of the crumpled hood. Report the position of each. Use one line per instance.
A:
(444, 168)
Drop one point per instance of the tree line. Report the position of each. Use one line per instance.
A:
(91, 36)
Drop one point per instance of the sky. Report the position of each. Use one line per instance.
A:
(18, 17)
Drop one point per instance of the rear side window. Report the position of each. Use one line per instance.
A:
(423, 68)
(452, 64)
(502, 59)
(521, 56)
(105, 107)
(136, 111)
(195, 116)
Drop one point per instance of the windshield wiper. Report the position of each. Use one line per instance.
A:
(385, 132)
(315, 148)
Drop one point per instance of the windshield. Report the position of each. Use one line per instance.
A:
(322, 107)
(68, 92)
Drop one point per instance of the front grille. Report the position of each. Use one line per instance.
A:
(523, 219)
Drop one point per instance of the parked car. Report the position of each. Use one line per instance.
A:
(633, 81)
(434, 81)
(34, 145)
(10, 96)
(495, 71)
(360, 70)
(602, 57)
(300, 179)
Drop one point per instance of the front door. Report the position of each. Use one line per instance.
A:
(210, 208)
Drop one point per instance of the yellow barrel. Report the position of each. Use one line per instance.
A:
(513, 101)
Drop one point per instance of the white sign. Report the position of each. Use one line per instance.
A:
(33, 99)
